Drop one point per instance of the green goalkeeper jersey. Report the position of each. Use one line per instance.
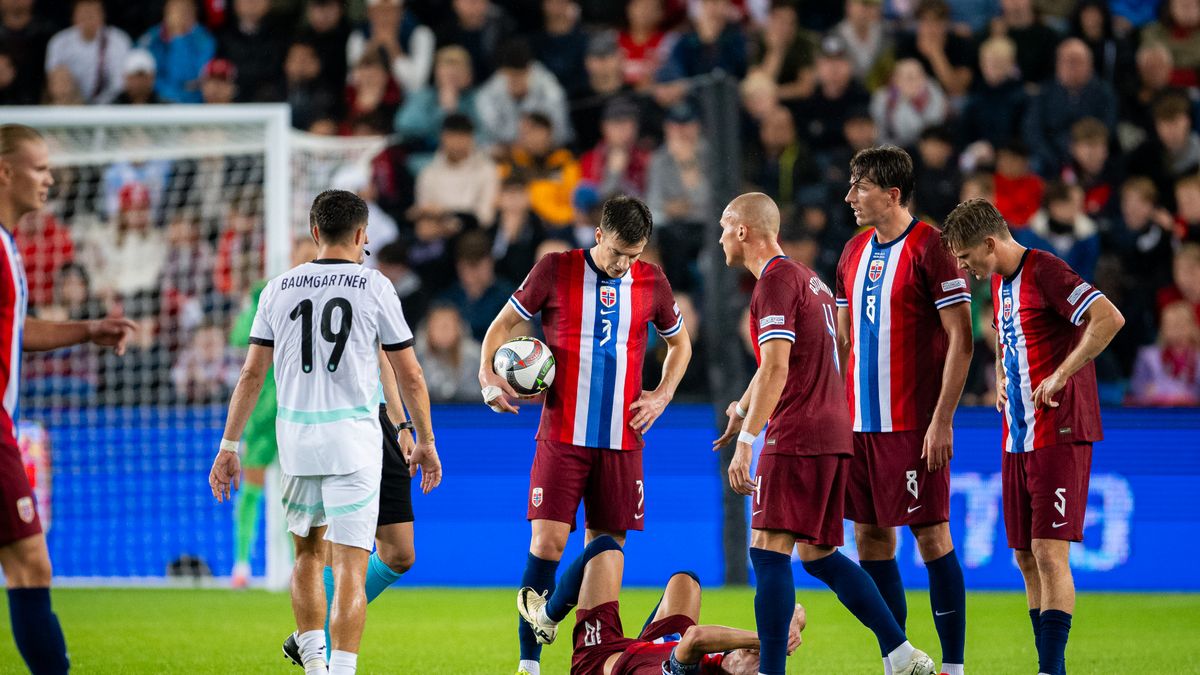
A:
(261, 446)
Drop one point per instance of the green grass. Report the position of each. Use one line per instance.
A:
(468, 632)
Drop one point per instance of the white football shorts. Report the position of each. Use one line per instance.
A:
(347, 503)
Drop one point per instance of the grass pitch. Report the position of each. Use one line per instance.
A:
(472, 632)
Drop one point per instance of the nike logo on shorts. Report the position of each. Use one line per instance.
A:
(756, 513)
(638, 516)
(914, 508)
(1058, 525)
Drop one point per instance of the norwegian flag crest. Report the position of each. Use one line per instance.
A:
(1007, 307)
(608, 296)
(875, 271)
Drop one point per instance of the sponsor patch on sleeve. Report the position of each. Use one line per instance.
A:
(953, 284)
(1078, 293)
(773, 320)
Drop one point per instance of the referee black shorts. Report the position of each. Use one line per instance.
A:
(395, 489)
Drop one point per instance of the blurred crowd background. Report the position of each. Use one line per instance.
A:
(509, 122)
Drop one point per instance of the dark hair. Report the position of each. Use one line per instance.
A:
(472, 247)
(970, 222)
(395, 253)
(938, 132)
(628, 218)
(540, 119)
(886, 166)
(1170, 107)
(938, 8)
(337, 214)
(514, 54)
(1056, 191)
(458, 123)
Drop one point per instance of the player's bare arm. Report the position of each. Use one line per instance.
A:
(651, 404)
(736, 412)
(766, 388)
(395, 408)
(1001, 380)
(411, 379)
(227, 466)
(42, 336)
(938, 447)
(497, 393)
(710, 639)
(843, 338)
(1103, 321)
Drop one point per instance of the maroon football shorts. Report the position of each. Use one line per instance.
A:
(1045, 493)
(18, 515)
(598, 635)
(803, 495)
(609, 482)
(890, 483)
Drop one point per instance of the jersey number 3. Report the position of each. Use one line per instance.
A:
(304, 312)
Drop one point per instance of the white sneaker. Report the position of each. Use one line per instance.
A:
(918, 664)
(529, 605)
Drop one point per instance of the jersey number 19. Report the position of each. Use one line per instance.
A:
(304, 312)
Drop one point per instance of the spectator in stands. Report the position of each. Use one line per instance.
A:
(1152, 82)
(481, 27)
(1035, 41)
(946, 57)
(550, 172)
(1018, 191)
(1173, 151)
(1141, 239)
(1062, 228)
(187, 275)
(694, 385)
(863, 31)
(520, 86)
(1185, 277)
(519, 231)
(643, 43)
(996, 105)
(561, 45)
(821, 115)
(10, 91)
(420, 119)
(1074, 93)
(399, 39)
(785, 52)
(126, 256)
(92, 51)
(477, 294)
(61, 88)
(138, 82)
(392, 262)
(938, 179)
(1112, 54)
(714, 43)
(218, 82)
(908, 105)
(240, 247)
(73, 299)
(382, 229)
(371, 93)
(460, 178)
(328, 30)
(1179, 30)
(786, 170)
(605, 81)
(1187, 207)
(143, 373)
(256, 44)
(45, 246)
(180, 47)
(23, 36)
(208, 368)
(1168, 373)
(680, 195)
(309, 98)
(449, 356)
(1091, 168)
(617, 165)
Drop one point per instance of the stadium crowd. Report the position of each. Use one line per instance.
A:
(511, 121)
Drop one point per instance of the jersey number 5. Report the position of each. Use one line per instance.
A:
(304, 312)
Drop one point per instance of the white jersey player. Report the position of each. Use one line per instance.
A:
(321, 324)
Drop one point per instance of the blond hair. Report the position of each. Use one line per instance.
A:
(13, 135)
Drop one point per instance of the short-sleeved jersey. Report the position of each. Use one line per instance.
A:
(893, 293)
(596, 327)
(14, 301)
(325, 320)
(1039, 311)
(790, 302)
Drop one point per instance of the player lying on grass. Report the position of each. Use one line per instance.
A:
(671, 642)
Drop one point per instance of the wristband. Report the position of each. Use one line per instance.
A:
(405, 426)
(740, 412)
(747, 438)
(229, 446)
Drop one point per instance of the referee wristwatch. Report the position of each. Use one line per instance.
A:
(406, 425)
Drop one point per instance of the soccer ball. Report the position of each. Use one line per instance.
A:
(526, 363)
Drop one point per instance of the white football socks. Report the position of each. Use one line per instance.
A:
(312, 651)
(900, 656)
(887, 666)
(953, 669)
(543, 617)
(531, 667)
(342, 663)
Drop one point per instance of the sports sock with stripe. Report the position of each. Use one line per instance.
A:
(774, 602)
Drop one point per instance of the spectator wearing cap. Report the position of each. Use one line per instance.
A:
(1035, 41)
(714, 43)
(23, 37)
(1179, 30)
(908, 105)
(327, 29)
(482, 28)
(1173, 151)
(680, 194)
(92, 51)
(550, 171)
(309, 98)
(419, 120)
(617, 165)
(945, 56)
(138, 79)
(401, 40)
(477, 294)
(255, 44)
(180, 47)
(1074, 93)
(820, 115)
(218, 81)
(561, 45)
(785, 52)
(372, 96)
(938, 179)
(996, 104)
(643, 43)
(460, 178)
(127, 255)
(520, 86)
(605, 81)
(863, 31)
(1062, 228)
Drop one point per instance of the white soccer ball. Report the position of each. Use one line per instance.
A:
(526, 363)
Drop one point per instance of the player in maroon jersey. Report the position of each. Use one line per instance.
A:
(25, 182)
(805, 458)
(1050, 326)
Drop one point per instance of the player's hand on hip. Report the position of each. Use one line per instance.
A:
(226, 470)
(1043, 396)
(938, 447)
(425, 456)
(497, 392)
(111, 332)
(799, 621)
(739, 471)
(731, 428)
(649, 406)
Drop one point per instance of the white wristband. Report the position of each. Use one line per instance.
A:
(228, 445)
(740, 412)
(747, 438)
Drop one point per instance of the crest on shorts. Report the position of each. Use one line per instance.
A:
(1007, 307)
(608, 296)
(537, 497)
(875, 271)
(25, 509)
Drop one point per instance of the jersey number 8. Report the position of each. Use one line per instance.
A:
(304, 312)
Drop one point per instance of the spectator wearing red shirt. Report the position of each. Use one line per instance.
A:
(616, 165)
(45, 247)
(240, 248)
(1186, 274)
(643, 43)
(372, 92)
(1018, 189)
